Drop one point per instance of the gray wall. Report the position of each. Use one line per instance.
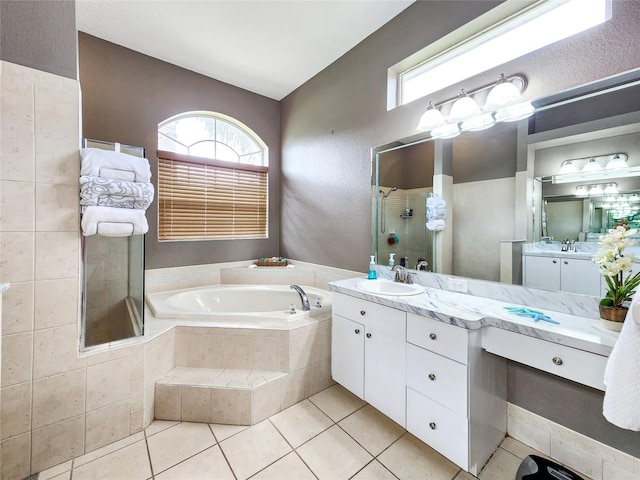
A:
(330, 124)
(40, 35)
(126, 94)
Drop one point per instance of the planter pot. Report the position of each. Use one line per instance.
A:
(612, 318)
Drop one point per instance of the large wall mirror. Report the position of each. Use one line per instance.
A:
(502, 185)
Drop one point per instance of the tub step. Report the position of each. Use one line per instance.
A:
(226, 396)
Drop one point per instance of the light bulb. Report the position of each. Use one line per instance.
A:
(592, 166)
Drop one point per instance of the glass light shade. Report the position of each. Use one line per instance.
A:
(596, 190)
(430, 119)
(616, 162)
(607, 205)
(611, 188)
(567, 167)
(513, 113)
(448, 130)
(592, 166)
(610, 199)
(479, 122)
(463, 108)
(634, 198)
(582, 191)
(502, 95)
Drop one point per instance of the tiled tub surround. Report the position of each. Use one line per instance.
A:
(574, 335)
(242, 375)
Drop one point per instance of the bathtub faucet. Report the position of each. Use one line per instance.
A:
(303, 297)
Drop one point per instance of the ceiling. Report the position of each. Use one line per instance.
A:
(266, 47)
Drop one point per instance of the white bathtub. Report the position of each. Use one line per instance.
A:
(257, 306)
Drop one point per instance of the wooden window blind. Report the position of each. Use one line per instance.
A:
(202, 198)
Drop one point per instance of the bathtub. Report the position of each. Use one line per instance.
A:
(252, 306)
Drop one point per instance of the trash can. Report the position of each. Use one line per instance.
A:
(534, 467)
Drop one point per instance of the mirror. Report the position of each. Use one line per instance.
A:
(499, 178)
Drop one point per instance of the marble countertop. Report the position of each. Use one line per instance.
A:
(473, 312)
(584, 250)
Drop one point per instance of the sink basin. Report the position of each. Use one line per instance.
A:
(387, 287)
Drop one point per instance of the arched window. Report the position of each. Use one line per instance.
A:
(212, 179)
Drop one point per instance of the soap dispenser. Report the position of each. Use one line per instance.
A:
(391, 260)
(372, 269)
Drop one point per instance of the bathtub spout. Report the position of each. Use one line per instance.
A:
(303, 297)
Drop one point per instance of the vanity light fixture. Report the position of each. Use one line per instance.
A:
(592, 166)
(588, 169)
(582, 191)
(505, 103)
(568, 167)
(596, 190)
(634, 198)
(617, 161)
(611, 188)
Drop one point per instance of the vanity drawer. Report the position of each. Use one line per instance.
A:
(359, 310)
(439, 337)
(577, 365)
(437, 377)
(438, 427)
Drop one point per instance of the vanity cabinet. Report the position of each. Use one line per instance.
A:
(456, 393)
(429, 376)
(368, 353)
(573, 275)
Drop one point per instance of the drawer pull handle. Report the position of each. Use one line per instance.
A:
(555, 261)
(357, 330)
(566, 263)
(557, 361)
(368, 335)
(432, 425)
(433, 336)
(363, 313)
(432, 377)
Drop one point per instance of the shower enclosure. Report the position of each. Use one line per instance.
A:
(113, 280)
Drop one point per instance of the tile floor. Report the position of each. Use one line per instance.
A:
(331, 436)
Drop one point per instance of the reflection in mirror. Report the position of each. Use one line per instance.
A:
(399, 190)
(499, 177)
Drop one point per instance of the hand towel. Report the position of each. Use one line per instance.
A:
(436, 208)
(108, 192)
(621, 378)
(108, 164)
(435, 225)
(103, 221)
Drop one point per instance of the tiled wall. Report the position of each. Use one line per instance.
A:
(476, 243)
(580, 453)
(56, 404)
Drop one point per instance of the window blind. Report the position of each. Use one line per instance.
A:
(202, 198)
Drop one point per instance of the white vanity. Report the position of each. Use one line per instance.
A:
(546, 266)
(436, 362)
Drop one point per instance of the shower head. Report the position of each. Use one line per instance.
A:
(385, 195)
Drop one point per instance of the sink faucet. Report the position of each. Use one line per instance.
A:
(402, 275)
(303, 297)
(422, 265)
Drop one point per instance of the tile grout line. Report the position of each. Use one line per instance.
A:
(295, 449)
(219, 444)
(146, 444)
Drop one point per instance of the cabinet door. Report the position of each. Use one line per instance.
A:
(385, 363)
(347, 354)
(579, 276)
(542, 272)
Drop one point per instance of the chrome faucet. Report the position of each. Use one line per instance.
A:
(303, 297)
(402, 275)
(422, 265)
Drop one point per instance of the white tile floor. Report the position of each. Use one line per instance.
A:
(331, 436)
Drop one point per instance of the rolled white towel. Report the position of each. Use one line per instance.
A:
(435, 225)
(108, 164)
(113, 222)
(109, 192)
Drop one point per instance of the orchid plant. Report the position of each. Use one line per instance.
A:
(613, 266)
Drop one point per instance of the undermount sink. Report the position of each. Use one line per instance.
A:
(387, 287)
